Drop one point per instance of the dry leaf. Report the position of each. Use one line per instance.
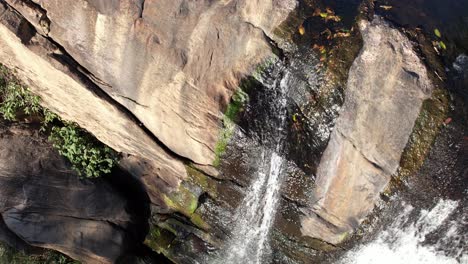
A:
(386, 7)
(301, 30)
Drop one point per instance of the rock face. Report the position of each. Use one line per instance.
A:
(43, 203)
(386, 87)
(172, 64)
(149, 78)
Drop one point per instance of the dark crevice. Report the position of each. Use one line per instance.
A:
(132, 100)
(219, 180)
(292, 201)
(44, 20)
(272, 43)
(373, 163)
(142, 8)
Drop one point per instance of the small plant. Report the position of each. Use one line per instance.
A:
(88, 157)
(15, 98)
(238, 101)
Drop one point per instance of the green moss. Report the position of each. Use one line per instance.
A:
(182, 200)
(198, 221)
(198, 178)
(237, 104)
(238, 101)
(427, 126)
(159, 239)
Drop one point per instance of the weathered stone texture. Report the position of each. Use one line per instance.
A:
(386, 87)
(173, 64)
(45, 204)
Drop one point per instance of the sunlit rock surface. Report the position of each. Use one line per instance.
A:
(386, 87)
(172, 64)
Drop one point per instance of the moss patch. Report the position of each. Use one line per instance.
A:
(431, 119)
(159, 239)
(236, 106)
(182, 200)
(198, 221)
(198, 178)
(237, 103)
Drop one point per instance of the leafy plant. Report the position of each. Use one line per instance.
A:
(88, 157)
(15, 98)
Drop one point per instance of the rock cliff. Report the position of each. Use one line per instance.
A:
(171, 65)
(152, 79)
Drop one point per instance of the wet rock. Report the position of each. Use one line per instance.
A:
(45, 204)
(386, 87)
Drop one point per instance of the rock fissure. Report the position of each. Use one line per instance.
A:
(131, 100)
(373, 163)
(142, 7)
(271, 42)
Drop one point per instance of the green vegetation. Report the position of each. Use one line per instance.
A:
(159, 239)
(12, 256)
(85, 153)
(88, 156)
(183, 201)
(238, 101)
(198, 178)
(15, 98)
(433, 116)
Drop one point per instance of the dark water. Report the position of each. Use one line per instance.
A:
(450, 17)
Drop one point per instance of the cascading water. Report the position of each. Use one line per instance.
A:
(403, 241)
(256, 213)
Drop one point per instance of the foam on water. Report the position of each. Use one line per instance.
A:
(256, 213)
(402, 242)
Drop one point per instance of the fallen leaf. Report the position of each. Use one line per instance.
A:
(342, 35)
(327, 32)
(442, 45)
(386, 7)
(301, 30)
(329, 14)
(437, 33)
(294, 117)
(334, 18)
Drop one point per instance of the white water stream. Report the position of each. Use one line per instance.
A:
(256, 214)
(402, 242)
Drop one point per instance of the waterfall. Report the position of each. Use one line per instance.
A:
(256, 213)
(404, 241)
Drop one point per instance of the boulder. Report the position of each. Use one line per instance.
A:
(45, 204)
(387, 84)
